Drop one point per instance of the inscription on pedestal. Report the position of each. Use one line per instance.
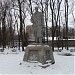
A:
(33, 55)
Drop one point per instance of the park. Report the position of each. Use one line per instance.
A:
(37, 37)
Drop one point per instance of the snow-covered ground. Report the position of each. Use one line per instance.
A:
(12, 63)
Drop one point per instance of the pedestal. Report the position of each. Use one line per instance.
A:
(38, 52)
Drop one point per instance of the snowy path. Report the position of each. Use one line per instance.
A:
(9, 64)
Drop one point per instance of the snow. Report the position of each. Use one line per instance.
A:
(38, 45)
(55, 38)
(50, 38)
(12, 63)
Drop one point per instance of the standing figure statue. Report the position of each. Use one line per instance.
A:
(38, 25)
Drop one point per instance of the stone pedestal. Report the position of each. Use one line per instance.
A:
(38, 52)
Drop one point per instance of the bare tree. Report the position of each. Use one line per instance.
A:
(20, 6)
(66, 21)
(52, 4)
(4, 12)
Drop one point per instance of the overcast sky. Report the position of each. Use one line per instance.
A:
(70, 17)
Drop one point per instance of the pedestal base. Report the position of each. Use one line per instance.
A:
(38, 52)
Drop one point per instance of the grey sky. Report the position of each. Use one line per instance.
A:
(70, 17)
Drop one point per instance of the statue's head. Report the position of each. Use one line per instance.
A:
(36, 9)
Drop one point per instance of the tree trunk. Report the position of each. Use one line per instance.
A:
(52, 32)
(66, 20)
(3, 30)
(21, 25)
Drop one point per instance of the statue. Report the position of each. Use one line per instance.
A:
(38, 25)
(38, 51)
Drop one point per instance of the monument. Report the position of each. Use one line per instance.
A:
(38, 51)
(38, 25)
